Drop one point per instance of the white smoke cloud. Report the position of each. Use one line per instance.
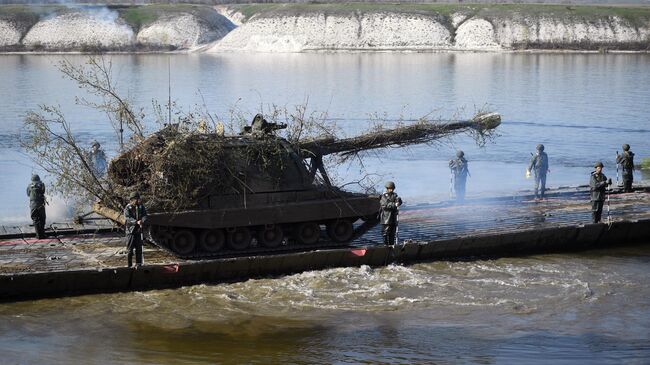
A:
(58, 210)
(97, 12)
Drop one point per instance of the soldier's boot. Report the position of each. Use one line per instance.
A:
(384, 233)
(597, 215)
(41, 230)
(627, 186)
(138, 255)
(40, 234)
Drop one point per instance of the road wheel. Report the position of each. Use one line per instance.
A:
(270, 236)
(184, 242)
(307, 233)
(212, 240)
(161, 236)
(239, 238)
(340, 230)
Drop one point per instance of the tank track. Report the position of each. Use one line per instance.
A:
(288, 246)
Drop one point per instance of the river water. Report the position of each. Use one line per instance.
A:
(581, 106)
(572, 308)
(590, 307)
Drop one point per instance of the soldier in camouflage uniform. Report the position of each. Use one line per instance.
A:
(598, 186)
(97, 158)
(627, 163)
(389, 204)
(135, 215)
(459, 171)
(539, 165)
(36, 194)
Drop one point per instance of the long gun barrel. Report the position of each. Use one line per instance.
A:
(420, 132)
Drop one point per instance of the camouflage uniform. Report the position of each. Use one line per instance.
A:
(598, 186)
(539, 165)
(389, 202)
(460, 171)
(97, 158)
(36, 194)
(132, 214)
(627, 163)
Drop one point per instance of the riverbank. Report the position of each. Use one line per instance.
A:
(324, 27)
(81, 28)
(433, 27)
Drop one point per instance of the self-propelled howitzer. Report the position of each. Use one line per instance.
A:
(256, 192)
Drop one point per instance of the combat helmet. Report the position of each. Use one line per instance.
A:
(134, 195)
(626, 147)
(35, 177)
(540, 147)
(598, 164)
(460, 153)
(390, 185)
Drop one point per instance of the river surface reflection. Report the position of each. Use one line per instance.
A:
(581, 106)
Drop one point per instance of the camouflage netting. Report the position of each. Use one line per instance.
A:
(177, 169)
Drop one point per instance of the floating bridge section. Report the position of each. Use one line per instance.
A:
(91, 258)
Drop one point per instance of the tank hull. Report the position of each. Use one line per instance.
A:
(269, 221)
(351, 207)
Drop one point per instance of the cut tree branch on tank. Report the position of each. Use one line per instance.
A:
(97, 79)
(55, 147)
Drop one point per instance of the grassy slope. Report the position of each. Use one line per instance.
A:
(634, 14)
(135, 16)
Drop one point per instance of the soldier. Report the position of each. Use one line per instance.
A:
(36, 194)
(389, 204)
(598, 184)
(627, 163)
(539, 165)
(134, 214)
(459, 172)
(97, 159)
(260, 127)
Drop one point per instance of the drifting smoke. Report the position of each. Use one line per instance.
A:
(58, 210)
(101, 13)
(97, 12)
